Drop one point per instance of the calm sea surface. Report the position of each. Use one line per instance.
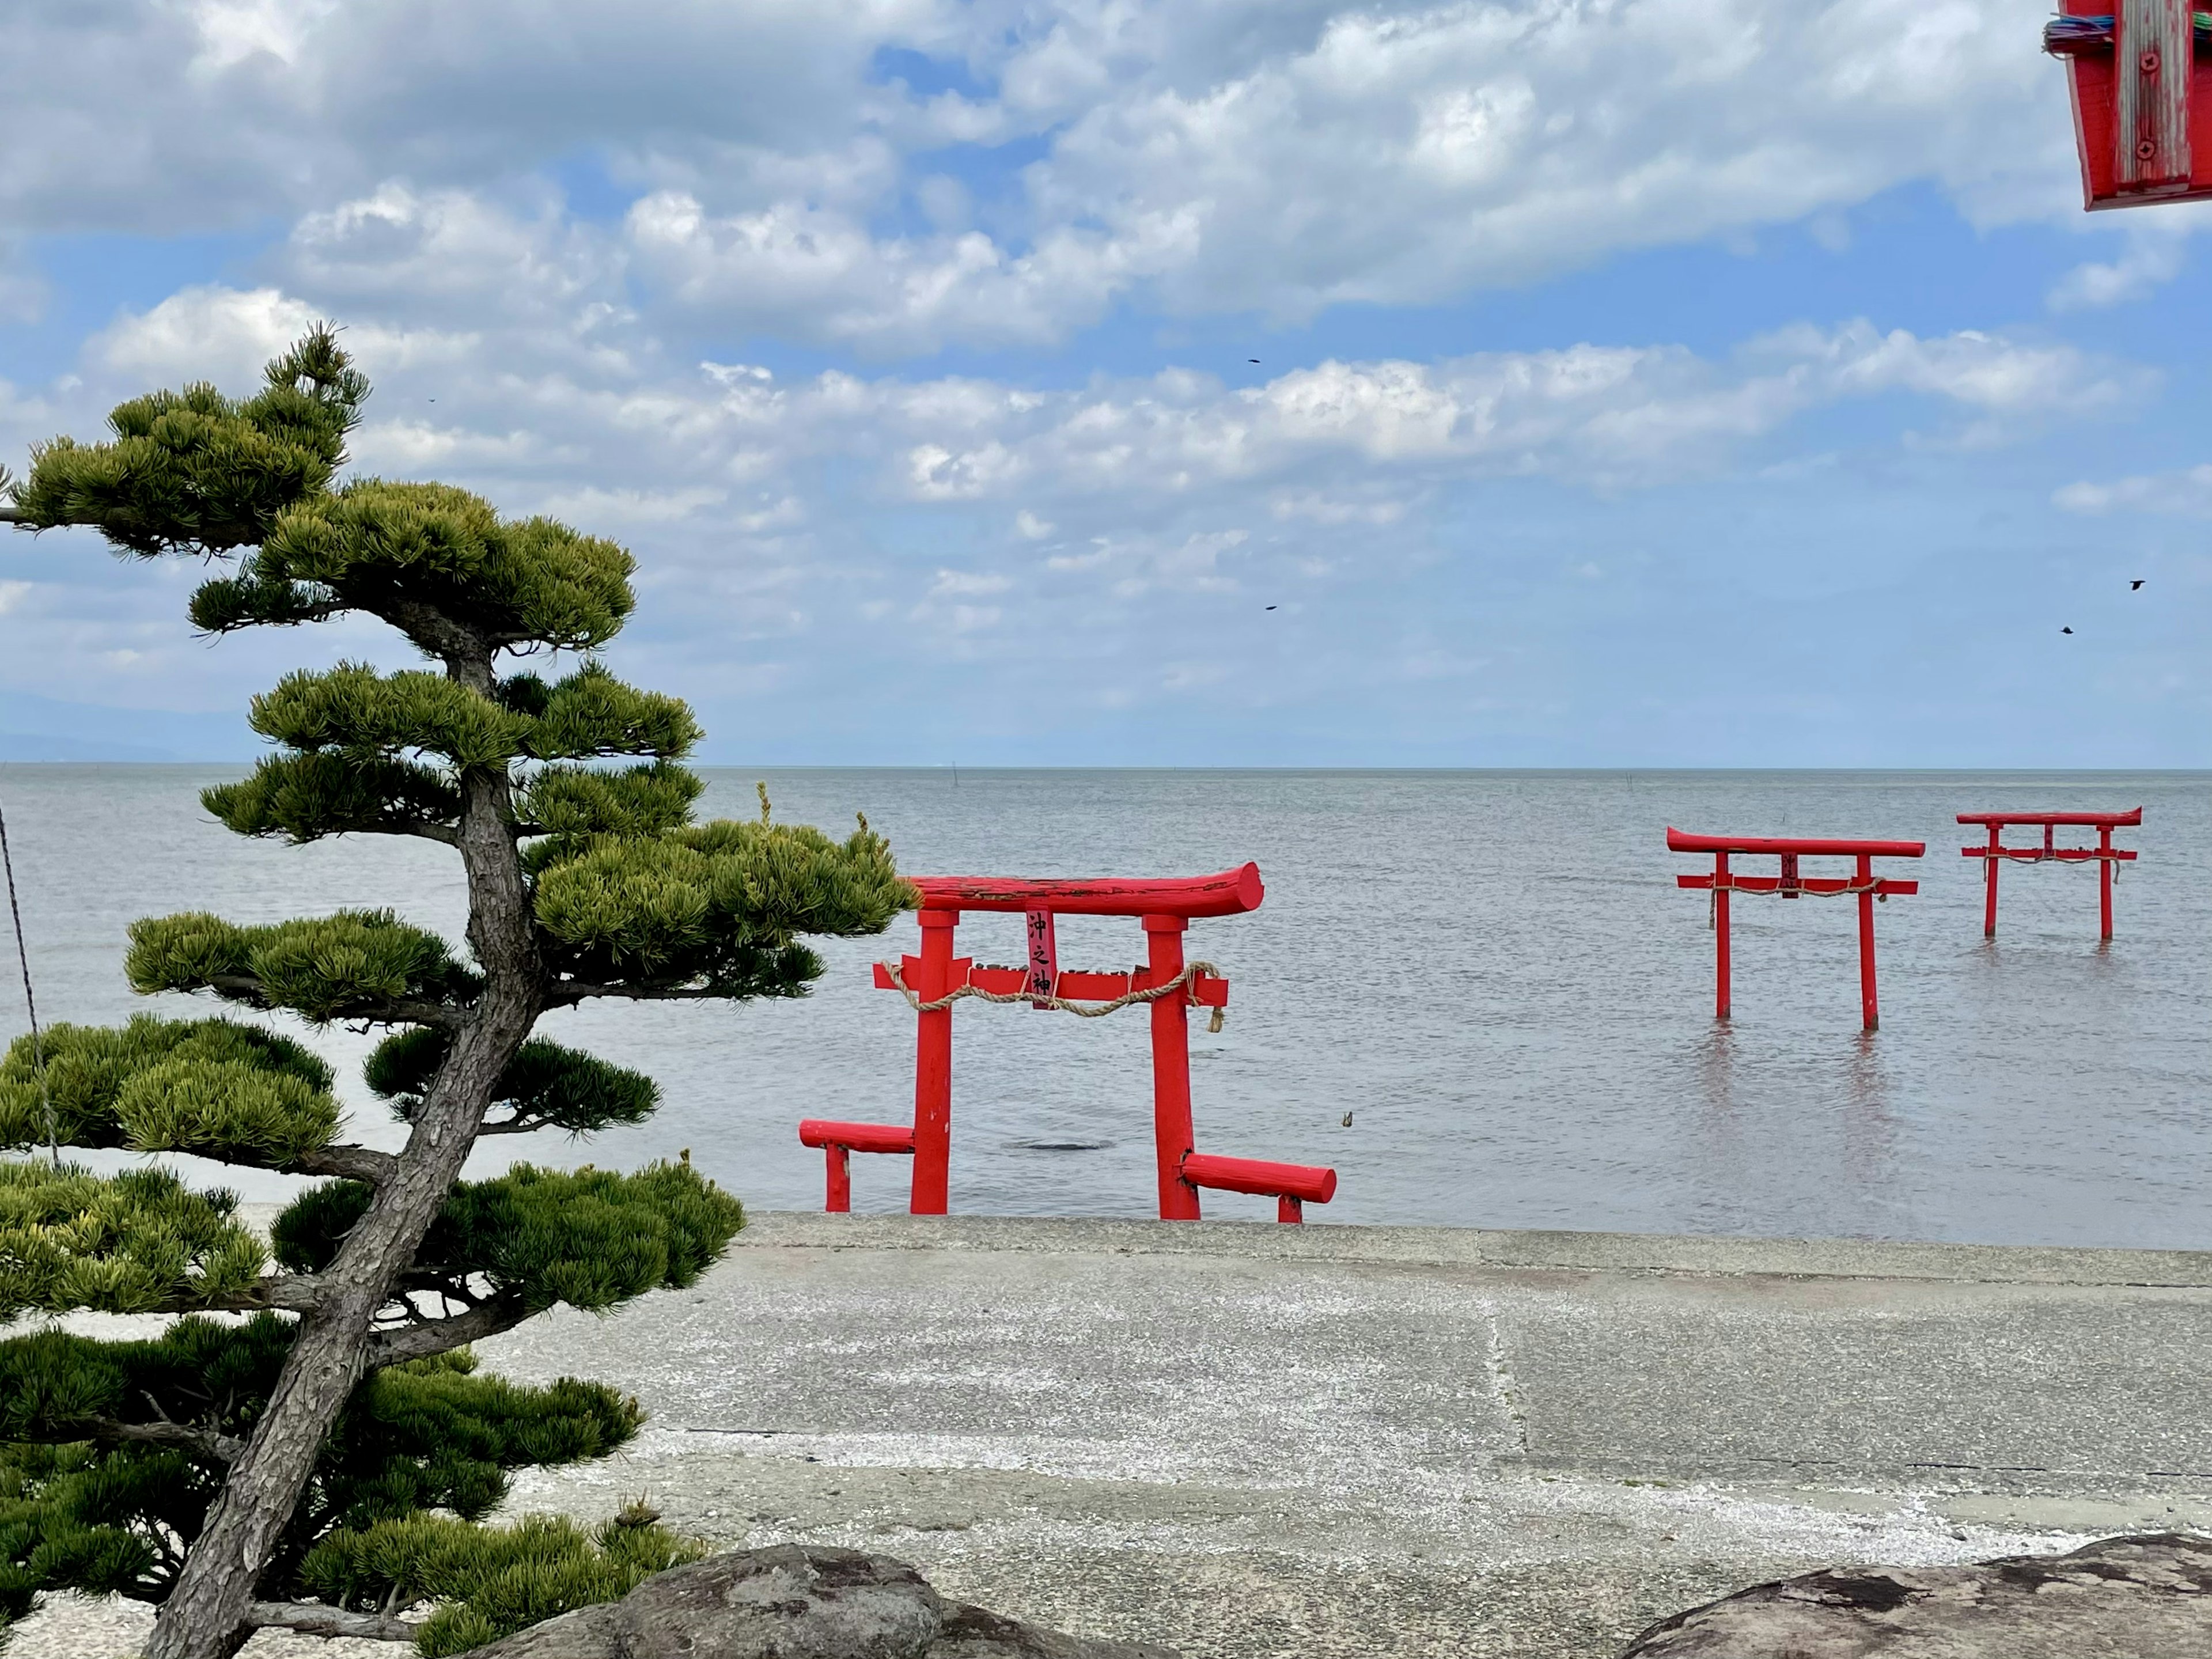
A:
(1493, 972)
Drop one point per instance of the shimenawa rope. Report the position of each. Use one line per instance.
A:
(1080, 1010)
(1712, 897)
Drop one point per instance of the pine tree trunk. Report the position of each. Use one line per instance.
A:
(205, 1616)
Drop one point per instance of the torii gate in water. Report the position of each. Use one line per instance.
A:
(932, 981)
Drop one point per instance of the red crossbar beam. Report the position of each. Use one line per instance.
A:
(1678, 841)
(1230, 893)
(1293, 1186)
(1882, 888)
(1206, 990)
(2093, 819)
(856, 1137)
(2037, 854)
(839, 1141)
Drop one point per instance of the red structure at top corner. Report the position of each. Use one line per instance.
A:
(2140, 74)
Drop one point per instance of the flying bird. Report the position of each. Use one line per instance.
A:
(2135, 583)
(2066, 630)
(1251, 359)
(1271, 607)
(1347, 1120)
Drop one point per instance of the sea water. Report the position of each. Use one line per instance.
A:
(1492, 973)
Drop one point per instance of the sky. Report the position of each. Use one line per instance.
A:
(1630, 383)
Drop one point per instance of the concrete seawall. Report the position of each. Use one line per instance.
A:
(1242, 1439)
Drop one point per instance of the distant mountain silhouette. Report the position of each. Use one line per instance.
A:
(35, 728)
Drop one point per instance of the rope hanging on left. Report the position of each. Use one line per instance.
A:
(30, 1003)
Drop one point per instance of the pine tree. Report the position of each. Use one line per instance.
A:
(322, 1463)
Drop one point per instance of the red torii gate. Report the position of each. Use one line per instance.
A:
(1790, 884)
(935, 980)
(2104, 852)
(2142, 98)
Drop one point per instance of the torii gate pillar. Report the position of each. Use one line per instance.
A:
(933, 1066)
(1171, 1124)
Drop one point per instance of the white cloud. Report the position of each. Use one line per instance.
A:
(1249, 155)
(218, 334)
(619, 434)
(226, 335)
(2154, 248)
(968, 583)
(2186, 494)
(1604, 416)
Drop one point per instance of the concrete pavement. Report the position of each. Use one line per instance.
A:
(1247, 1440)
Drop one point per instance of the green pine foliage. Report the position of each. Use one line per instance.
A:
(537, 582)
(130, 1086)
(572, 803)
(490, 1582)
(354, 963)
(546, 1086)
(304, 797)
(112, 1451)
(719, 905)
(195, 472)
(590, 1238)
(357, 713)
(428, 1436)
(135, 1243)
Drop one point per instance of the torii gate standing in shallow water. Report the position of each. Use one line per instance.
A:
(932, 981)
(1862, 883)
(2108, 856)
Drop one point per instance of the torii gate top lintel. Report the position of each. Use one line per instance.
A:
(2092, 820)
(1815, 847)
(1230, 893)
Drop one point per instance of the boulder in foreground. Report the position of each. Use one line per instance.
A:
(796, 1602)
(2149, 1596)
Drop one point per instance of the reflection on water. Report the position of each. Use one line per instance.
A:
(1493, 971)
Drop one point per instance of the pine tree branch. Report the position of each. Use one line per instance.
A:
(437, 632)
(284, 1292)
(433, 1336)
(351, 1163)
(314, 1618)
(205, 1441)
(564, 994)
(376, 1011)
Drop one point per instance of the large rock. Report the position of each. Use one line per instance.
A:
(794, 1601)
(2145, 1597)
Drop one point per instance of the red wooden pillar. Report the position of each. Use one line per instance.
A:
(1171, 1127)
(1721, 935)
(1989, 904)
(933, 1068)
(1865, 884)
(837, 1199)
(2152, 62)
(2105, 881)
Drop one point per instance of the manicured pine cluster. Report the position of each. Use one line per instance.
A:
(208, 1468)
